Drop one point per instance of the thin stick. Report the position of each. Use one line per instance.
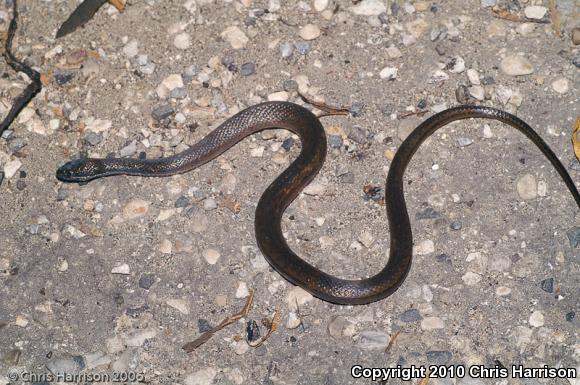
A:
(191, 346)
(327, 109)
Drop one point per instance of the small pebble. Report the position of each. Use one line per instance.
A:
(286, 49)
(373, 340)
(61, 78)
(455, 225)
(178, 304)
(432, 323)
(574, 236)
(146, 281)
(129, 150)
(427, 213)
(309, 32)
(411, 315)
(502, 291)
(165, 247)
(235, 37)
(388, 73)
(335, 141)
(242, 290)
(121, 269)
(536, 12)
(478, 92)
(209, 204)
(436, 357)
(11, 167)
(369, 8)
(182, 41)
(203, 325)
(547, 285)
(320, 5)
(93, 138)
(358, 135)
(181, 202)
(473, 77)
(470, 278)
(527, 187)
(576, 36)
(570, 316)
(162, 112)
(561, 85)
(424, 247)
(303, 47)
(247, 69)
(70, 365)
(297, 297)
(211, 256)
(464, 142)
(516, 65)
(131, 49)
(537, 319)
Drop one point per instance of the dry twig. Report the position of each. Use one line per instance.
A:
(191, 346)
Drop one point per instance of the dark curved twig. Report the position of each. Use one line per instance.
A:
(32, 89)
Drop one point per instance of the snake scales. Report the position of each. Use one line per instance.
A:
(290, 183)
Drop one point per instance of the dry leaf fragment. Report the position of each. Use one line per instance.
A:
(119, 4)
(576, 138)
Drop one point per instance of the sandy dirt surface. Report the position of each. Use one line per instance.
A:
(114, 276)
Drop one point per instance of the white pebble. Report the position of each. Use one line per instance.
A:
(320, 5)
(182, 41)
(242, 290)
(121, 269)
(388, 73)
(561, 85)
(473, 77)
(201, 377)
(424, 247)
(131, 49)
(281, 96)
(297, 296)
(537, 319)
(369, 8)
(11, 167)
(527, 187)
(535, 12)
(235, 36)
(458, 65)
(516, 65)
(477, 92)
(542, 188)
(502, 291)
(309, 32)
(431, 323)
(21, 321)
(293, 321)
(178, 304)
(165, 247)
(211, 256)
(470, 278)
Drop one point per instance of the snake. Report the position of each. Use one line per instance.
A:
(290, 183)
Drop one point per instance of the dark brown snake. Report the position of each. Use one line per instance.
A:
(290, 183)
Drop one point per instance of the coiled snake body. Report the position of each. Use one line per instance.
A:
(290, 183)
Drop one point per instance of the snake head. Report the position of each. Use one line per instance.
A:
(78, 170)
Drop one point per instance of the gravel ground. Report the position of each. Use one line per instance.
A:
(116, 275)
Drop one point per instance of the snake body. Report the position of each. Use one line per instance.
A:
(298, 175)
